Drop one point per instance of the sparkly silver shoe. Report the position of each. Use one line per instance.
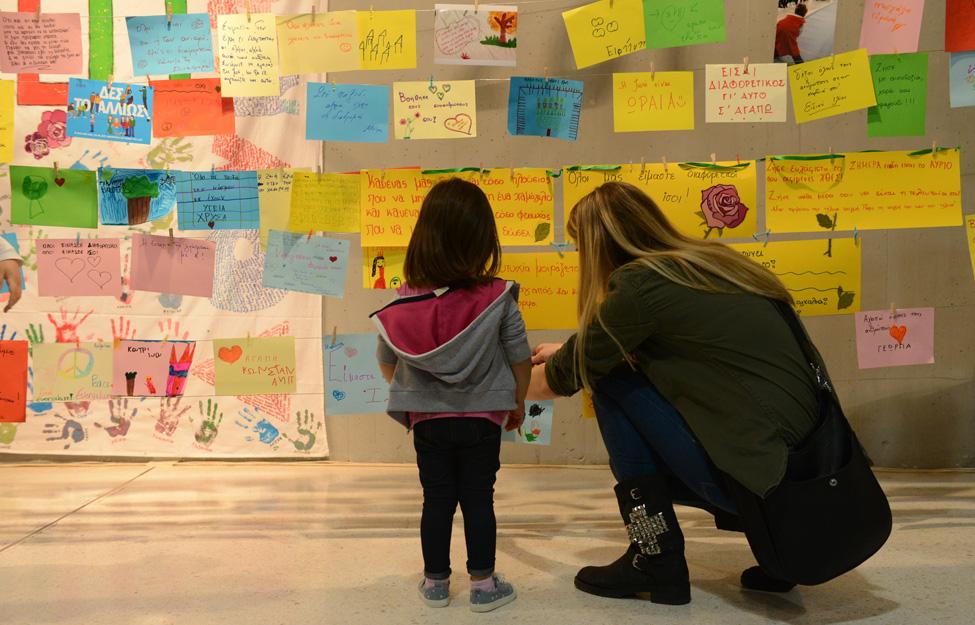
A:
(485, 601)
(436, 596)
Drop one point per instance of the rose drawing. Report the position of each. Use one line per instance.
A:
(37, 145)
(721, 208)
(53, 127)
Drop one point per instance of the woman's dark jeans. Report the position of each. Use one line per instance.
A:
(645, 435)
(458, 458)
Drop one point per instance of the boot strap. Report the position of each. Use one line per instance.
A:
(645, 530)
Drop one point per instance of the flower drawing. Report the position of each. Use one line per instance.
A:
(36, 144)
(53, 127)
(721, 208)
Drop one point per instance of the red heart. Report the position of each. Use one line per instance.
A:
(230, 355)
(898, 332)
(210, 223)
(59, 182)
(333, 258)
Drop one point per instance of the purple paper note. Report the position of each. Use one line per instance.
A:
(904, 337)
(164, 265)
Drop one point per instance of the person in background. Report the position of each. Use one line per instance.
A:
(455, 351)
(10, 263)
(787, 36)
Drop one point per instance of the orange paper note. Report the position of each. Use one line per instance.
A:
(191, 108)
(960, 26)
(13, 381)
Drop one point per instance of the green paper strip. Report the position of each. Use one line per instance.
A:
(928, 151)
(453, 170)
(735, 167)
(553, 174)
(101, 50)
(594, 168)
(177, 6)
(817, 157)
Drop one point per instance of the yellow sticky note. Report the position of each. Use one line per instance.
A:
(325, 202)
(315, 43)
(434, 110)
(831, 85)
(259, 365)
(658, 101)
(548, 282)
(863, 190)
(823, 275)
(701, 201)
(605, 30)
(387, 39)
(248, 46)
(6, 121)
(274, 196)
(970, 231)
(389, 205)
(382, 268)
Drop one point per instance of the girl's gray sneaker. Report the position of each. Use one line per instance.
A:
(436, 596)
(485, 601)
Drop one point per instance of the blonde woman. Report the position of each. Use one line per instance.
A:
(695, 376)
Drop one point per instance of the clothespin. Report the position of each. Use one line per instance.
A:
(856, 236)
(172, 239)
(480, 169)
(643, 165)
(148, 80)
(247, 7)
(248, 338)
(714, 161)
(382, 174)
(653, 71)
(476, 6)
(511, 173)
(110, 77)
(319, 170)
(893, 310)
(431, 81)
(545, 74)
(934, 149)
(313, 13)
(169, 15)
(56, 172)
(310, 232)
(738, 158)
(77, 237)
(37, 16)
(745, 61)
(335, 335)
(664, 160)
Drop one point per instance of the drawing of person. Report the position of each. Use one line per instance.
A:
(379, 264)
(145, 103)
(91, 121)
(127, 97)
(94, 98)
(111, 120)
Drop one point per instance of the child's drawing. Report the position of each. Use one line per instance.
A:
(467, 34)
(379, 264)
(135, 196)
(151, 368)
(537, 427)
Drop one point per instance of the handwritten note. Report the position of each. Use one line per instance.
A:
(544, 107)
(353, 382)
(548, 282)
(745, 94)
(179, 44)
(6, 121)
(41, 198)
(309, 265)
(537, 427)
(135, 196)
(191, 108)
(823, 276)
(891, 26)
(151, 368)
(318, 43)
(605, 30)
(48, 45)
(248, 46)
(13, 381)
(653, 101)
(78, 267)
(120, 112)
(699, 200)
(959, 26)
(465, 34)
(358, 113)
(672, 23)
(183, 266)
(71, 371)
(255, 365)
(324, 202)
(274, 198)
(868, 190)
(435, 110)
(901, 84)
(831, 86)
(382, 268)
(217, 200)
(904, 337)
(961, 79)
(970, 232)
(387, 39)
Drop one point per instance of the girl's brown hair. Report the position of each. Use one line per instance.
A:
(455, 241)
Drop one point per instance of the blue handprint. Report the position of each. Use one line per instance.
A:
(37, 407)
(266, 433)
(3, 334)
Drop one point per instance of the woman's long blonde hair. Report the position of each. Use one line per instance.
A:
(618, 224)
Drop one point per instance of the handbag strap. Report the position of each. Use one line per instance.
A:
(805, 344)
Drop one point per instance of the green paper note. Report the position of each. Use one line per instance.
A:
(901, 84)
(673, 23)
(39, 198)
(178, 6)
(101, 49)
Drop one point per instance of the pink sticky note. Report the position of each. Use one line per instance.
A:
(905, 337)
(891, 26)
(49, 43)
(164, 265)
(151, 368)
(78, 267)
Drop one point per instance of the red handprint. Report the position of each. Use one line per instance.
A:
(67, 330)
(127, 294)
(169, 415)
(121, 422)
(124, 330)
(171, 330)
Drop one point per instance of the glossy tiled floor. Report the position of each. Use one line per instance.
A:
(282, 543)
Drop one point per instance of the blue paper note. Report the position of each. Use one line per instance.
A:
(295, 262)
(127, 197)
(537, 427)
(122, 113)
(357, 113)
(353, 382)
(961, 78)
(217, 200)
(11, 238)
(544, 107)
(184, 46)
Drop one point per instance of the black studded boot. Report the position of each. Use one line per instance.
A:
(654, 563)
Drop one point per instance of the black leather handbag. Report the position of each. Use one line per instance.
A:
(829, 514)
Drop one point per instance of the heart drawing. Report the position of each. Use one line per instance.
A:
(101, 278)
(898, 332)
(333, 258)
(230, 355)
(351, 352)
(94, 261)
(59, 182)
(69, 267)
(460, 123)
(338, 395)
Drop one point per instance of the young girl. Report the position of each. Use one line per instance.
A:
(457, 357)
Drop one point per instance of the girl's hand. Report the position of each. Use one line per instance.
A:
(544, 351)
(10, 273)
(515, 417)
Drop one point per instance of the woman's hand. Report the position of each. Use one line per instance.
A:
(544, 351)
(538, 389)
(10, 273)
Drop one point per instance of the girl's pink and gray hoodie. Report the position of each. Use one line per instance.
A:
(453, 350)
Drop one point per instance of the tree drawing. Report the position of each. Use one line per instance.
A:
(504, 23)
(139, 191)
(828, 223)
(34, 188)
